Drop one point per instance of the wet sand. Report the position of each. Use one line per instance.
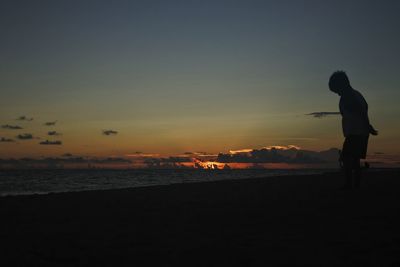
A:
(280, 221)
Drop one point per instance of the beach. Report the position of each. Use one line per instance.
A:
(303, 220)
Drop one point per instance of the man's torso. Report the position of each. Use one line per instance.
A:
(354, 109)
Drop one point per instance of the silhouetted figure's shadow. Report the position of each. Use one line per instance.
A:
(356, 127)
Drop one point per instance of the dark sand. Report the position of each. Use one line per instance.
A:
(282, 221)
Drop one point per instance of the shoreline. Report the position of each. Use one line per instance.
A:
(317, 172)
(309, 172)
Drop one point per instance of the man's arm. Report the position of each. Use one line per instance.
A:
(364, 113)
(354, 104)
(372, 130)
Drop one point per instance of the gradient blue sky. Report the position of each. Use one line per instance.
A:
(175, 76)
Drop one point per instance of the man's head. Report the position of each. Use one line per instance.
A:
(339, 82)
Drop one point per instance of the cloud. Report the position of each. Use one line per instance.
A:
(53, 133)
(67, 155)
(139, 154)
(24, 118)
(47, 142)
(288, 147)
(109, 160)
(25, 136)
(199, 154)
(11, 127)
(6, 140)
(244, 150)
(321, 114)
(50, 123)
(109, 132)
(248, 151)
(205, 154)
(252, 158)
(278, 154)
(168, 162)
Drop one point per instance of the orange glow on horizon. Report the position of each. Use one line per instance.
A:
(245, 150)
(210, 165)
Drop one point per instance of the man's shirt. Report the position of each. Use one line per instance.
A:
(354, 110)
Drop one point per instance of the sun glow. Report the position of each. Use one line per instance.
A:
(210, 165)
(245, 150)
(282, 147)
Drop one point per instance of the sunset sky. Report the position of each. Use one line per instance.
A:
(169, 77)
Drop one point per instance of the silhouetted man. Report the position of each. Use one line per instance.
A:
(355, 124)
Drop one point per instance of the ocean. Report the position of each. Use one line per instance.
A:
(40, 181)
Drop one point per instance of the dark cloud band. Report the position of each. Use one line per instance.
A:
(47, 142)
(53, 133)
(50, 123)
(11, 127)
(6, 140)
(321, 114)
(25, 136)
(24, 118)
(110, 132)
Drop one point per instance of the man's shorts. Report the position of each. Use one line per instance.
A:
(355, 146)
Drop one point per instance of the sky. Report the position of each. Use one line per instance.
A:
(168, 77)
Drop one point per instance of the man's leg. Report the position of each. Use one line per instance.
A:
(348, 172)
(357, 173)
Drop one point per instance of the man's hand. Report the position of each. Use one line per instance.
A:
(372, 130)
